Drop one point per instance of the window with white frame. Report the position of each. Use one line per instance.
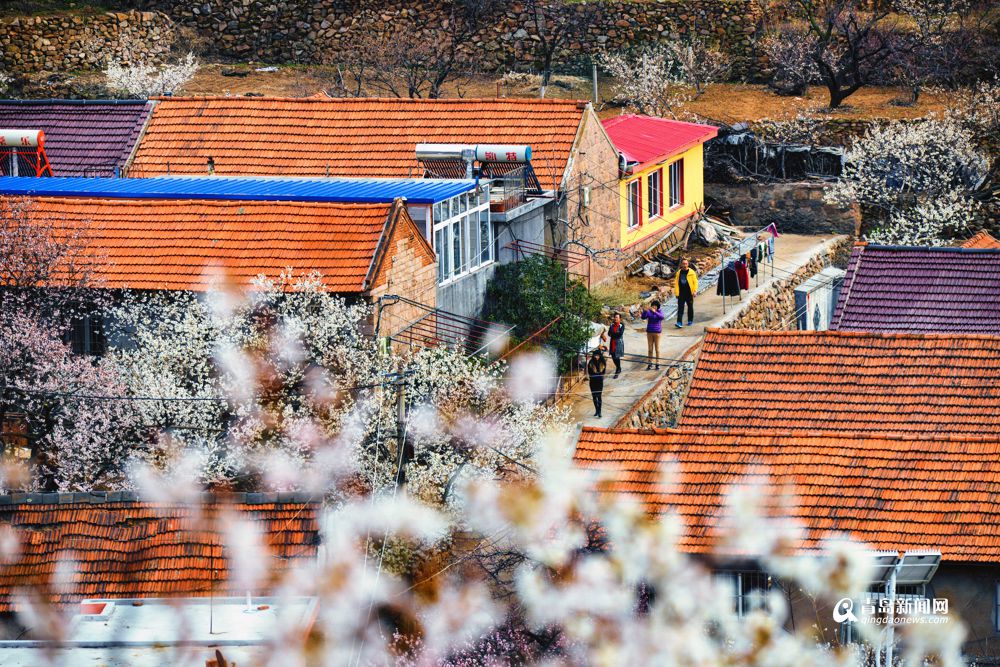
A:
(996, 610)
(676, 183)
(654, 192)
(634, 194)
(463, 234)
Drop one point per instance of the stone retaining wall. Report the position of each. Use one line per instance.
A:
(774, 308)
(81, 42)
(797, 207)
(661, 407)
(312, 31)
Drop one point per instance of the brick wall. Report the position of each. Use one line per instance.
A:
(409, 269)
(597, 225)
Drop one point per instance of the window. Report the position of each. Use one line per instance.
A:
(485, 236)
(474, 255)
(457, 246)
(463, 234)
(677, 183)
(634, 203)
(749, 589)
(654, 191)
(441, 244)
(86, 335)
(996, 610)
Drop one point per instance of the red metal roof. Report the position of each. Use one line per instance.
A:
(893, 493)
(648, 140)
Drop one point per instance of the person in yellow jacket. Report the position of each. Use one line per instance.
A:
(685, 287)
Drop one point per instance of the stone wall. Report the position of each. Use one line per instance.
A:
(318, 30)
(79, 42)
(661, 406)
(774, 308)
(796, 207)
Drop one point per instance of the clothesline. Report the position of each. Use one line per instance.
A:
(742, 247)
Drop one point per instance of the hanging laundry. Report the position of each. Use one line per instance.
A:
(752, 263)
(742, 275)
(773, 229)
(729, 282)
(770, 248)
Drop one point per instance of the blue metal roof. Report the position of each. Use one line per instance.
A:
(353, 190)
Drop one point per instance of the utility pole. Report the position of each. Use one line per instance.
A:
(593, 76)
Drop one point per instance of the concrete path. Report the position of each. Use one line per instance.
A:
(791, 253)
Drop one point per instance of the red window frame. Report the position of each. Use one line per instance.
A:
(634, 205)
(659, 193)
(680, 183)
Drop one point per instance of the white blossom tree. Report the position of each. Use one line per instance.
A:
(142, 79)
(658, 80)
(327, 397)
(648, 82)
(915, 179)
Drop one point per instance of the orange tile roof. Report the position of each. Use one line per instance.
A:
(839, 381)
(169, 244)
(346, 137)
(890, 493)
(982, 240)
(132, 549)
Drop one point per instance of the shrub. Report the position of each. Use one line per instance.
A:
(530, 294)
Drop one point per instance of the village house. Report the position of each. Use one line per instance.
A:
(845, 382)
(924, 496)
(126, 548)
(661, 184)
(146, 242)
(920, 290)
(545, 186)
(82, 137)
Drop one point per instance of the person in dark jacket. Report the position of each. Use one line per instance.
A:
(654, 327)
(616, 342)
(685, 287)
(596, 368)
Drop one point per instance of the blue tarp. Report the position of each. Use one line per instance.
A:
(348, 190)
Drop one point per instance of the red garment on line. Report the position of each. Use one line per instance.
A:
(742, 275)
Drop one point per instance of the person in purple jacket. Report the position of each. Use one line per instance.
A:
(654, 327)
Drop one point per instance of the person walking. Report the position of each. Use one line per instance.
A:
(596, 368)
(685, 287)
(616, 342)
(654, 327)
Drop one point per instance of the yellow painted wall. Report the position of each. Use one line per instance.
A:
(694, 196)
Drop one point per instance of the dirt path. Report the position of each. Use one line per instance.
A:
(791, 253)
